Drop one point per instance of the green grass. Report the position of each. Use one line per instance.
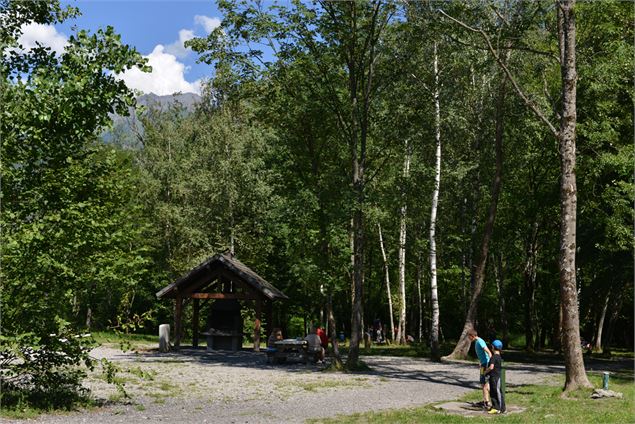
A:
(543, 404)
(20, 413)
(104, 337)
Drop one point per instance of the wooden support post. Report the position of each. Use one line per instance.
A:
(257, 325)
(195, 320)
(178, 311)
(269, 316)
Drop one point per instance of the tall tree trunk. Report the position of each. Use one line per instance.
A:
(434, 296)
(500, 289)
(463, 345)
(337, 359)
(387, 280)
(401, 332)
(89, 318)
(597, 339)
(420, 300)
(616, 306)
(529, 275)
(574, 364)
(358, 150)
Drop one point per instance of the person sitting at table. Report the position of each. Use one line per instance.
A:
(276, 335)
(315, 346)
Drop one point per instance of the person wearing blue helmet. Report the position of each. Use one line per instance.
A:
(494, 371)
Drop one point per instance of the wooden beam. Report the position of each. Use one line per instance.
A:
(257, 325)
(178, 309)
(239, 296)
(195, 320)
(269, 317)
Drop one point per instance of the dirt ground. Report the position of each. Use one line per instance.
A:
(195, 386)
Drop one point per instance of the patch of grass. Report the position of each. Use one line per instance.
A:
(116, 397)
(543, 404)
(140, 407)
(413, 350)
(20, 413)
(23, 407)
(617, 353)
(314, 386)
(141, 374)
(159, 397)
(103, 337)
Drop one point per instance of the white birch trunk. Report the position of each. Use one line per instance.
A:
(421, 301)
(434, 331)
(401, 332)
(387, 279)
(597, 343)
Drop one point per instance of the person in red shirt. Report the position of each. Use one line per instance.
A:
(324, 341)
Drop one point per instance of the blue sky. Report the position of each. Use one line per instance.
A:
(157, 28)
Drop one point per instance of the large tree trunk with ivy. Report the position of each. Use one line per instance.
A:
(529, 274)
(574, 364)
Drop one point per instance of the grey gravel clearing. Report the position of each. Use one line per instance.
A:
(194, 386)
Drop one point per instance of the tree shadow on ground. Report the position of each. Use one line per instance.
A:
(460, 373)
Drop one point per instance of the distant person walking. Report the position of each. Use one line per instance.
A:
(484, 354)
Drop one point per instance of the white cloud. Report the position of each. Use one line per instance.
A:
(209, 24)
(46, 35)
(177, 48)
(167, 76)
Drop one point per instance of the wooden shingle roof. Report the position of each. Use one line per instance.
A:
(212, 267)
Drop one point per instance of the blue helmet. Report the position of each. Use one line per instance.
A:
(497, 344)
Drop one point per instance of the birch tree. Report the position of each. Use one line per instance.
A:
(387, 282)
(401, 331)
(434, 296)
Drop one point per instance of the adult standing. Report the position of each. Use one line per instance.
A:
(483, 353)
(324, 341)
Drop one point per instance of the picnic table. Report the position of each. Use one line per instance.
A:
(289, 348)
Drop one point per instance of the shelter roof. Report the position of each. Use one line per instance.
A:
(214, 266)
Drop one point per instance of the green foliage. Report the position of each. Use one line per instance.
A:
(46, 371)
(264, 165)
(71, 231)
(70, 228)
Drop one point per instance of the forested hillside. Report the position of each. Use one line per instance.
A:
(472, 159)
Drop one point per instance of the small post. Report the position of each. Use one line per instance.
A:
(164, 338)
(605, 380)
(503, 378)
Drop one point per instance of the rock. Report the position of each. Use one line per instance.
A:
(601, 393)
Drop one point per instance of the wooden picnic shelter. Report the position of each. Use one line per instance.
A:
(225, 280)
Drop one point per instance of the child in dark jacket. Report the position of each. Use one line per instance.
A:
(494, 371)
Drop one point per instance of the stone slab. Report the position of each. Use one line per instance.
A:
(466, 409)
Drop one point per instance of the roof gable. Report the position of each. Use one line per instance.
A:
(213, 267)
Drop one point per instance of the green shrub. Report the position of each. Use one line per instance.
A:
(45, 372)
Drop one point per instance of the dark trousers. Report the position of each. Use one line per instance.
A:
(496, 393)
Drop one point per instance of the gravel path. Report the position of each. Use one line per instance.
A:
(194, 386)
